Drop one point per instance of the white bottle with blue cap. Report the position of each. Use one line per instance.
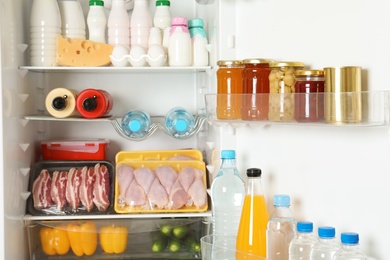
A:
(136, 123)
(303, 242)
(350, 249)
(327, 245)
(179, 122)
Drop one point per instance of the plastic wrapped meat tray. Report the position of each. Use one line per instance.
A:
(160, 184)
(52, 208)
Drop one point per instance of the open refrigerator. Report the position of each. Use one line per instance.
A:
(335, 175)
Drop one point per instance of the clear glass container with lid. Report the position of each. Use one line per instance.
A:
(281, 86)
(229, 89)
(309, 95)
(255, 89)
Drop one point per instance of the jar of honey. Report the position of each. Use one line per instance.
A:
(309, 95)
(282, 89)
(255, 89)
(229, 89)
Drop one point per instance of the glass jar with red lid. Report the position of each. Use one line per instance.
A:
(309, 95)
(255, 89)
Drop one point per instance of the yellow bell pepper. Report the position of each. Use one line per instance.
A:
(54, 240)
(83, 237)
(113, 239)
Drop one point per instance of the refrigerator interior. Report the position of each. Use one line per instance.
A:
(335, 175)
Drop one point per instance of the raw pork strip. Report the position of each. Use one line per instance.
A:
(157, 195)
(197, 191)
(58, 189)
(41, 190)
(73, 188)
(86, 187)
(167, 177)
(124, 177)
(101, 188)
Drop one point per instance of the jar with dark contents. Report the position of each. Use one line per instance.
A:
(282, 89)
(255, 89)
(309, 95)
(229, 89)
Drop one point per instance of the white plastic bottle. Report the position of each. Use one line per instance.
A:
(179, 47)
(119, 24)
(72, 19)
(303, 242)
(350, 249)
(280, 229)
(45, 27)
(227, 195)
(136, 123)
(162, 15)
(140, 23)
(326, 246)
(179, 122)
(97, 21)
(200, 54)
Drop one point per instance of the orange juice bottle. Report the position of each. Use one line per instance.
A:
(251, 236)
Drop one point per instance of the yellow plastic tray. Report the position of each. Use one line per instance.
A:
(157, 155)
(176, 165)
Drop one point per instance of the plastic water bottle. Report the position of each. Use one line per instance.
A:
(118, 24)
(280, 229)
(179, 46)
(326, 246)
(136, 123)
(140, 23)
(350, 248)
(45, 27)
(97, 21)
(162, 15)
(227, 195)
(303, 242)
(179, 122)
(200, 54)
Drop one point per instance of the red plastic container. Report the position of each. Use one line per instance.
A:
(94, 103)
(65, 150)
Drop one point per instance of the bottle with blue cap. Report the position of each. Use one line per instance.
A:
(327, 245)
(136, 123)
(350, 249)
(179, 122)
(303, 242)
(280, 229)
(227, 195)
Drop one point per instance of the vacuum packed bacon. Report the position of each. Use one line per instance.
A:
(41, 191)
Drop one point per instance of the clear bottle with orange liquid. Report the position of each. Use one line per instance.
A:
(251, 237)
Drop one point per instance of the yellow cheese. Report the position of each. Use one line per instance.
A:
(82, 53)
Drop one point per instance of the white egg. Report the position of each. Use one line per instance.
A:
(119, 56)
(137, 56)
(156, 56)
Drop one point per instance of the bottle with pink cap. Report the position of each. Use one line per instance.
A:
(179, 46)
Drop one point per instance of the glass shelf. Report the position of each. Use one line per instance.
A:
(107, 69)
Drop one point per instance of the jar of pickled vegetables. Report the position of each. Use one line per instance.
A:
(229, 89)
(282, 89)
(309, 95)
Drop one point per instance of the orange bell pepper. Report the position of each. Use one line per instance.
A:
(83, 237)
(55, 240)
(113, 239)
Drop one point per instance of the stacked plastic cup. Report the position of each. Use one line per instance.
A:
(72, 19)
(45, 27)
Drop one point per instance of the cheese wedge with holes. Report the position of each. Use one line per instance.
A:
(82, 53)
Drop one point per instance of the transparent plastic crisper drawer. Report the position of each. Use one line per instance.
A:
(367, 108)
(177, 238)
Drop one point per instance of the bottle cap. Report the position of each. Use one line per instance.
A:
(326, 232)
(305, 226)
(135, 125)
(281, 200)
(163, 2)
(228, 154)
(349, 238)
(181, 125)
(96, 2)
(59, 103)
(178, 20)
(90, 104)
(253, 172)
(196, 22)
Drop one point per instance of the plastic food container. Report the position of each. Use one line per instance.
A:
(94, 149)
(65, 166)
(151, 182)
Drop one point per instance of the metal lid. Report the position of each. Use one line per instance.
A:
(229, 62)
(286, 64)
(309, 73)
(257, 61)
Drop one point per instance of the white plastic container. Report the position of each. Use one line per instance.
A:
(72, 19)
(179, 47)
(200, 54)
(326, 246)
(140, 24)
(45, 27)
(97, 21)
(303, 242)
(162, 15)
(118, 24)
(61, 102)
